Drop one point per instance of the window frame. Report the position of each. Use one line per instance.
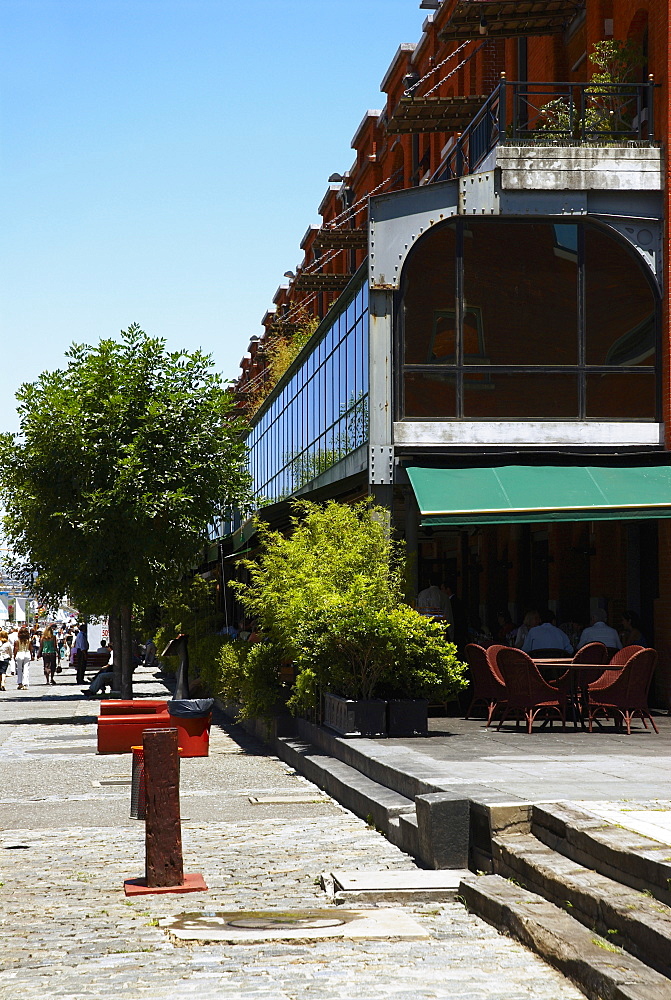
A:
(461, 368)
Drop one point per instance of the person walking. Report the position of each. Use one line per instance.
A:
(5, 657)
(23, 657)
(47, 651)
(12, 636)
(80, 650)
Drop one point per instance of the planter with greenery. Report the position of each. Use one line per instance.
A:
(329, 598)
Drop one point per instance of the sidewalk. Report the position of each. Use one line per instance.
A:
(604, 766)
(67, 844)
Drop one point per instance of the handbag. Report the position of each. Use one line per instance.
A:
(59, 669)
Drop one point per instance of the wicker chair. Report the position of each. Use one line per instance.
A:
(488, 686)
(528, 693)
(622, 656)
(627, 694)
(573, 685)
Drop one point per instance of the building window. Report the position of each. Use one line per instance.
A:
(524, 321)
(318, 413)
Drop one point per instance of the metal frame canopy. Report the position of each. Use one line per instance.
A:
(523, 494)
(434, 114)
(505, 19)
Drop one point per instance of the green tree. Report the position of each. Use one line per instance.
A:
(121, 461)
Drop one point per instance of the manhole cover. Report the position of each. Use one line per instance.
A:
(247, 927)
(263, 923)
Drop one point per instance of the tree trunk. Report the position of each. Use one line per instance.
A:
(115, 641)
(126, 652)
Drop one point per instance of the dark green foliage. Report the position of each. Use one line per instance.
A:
(121, 461)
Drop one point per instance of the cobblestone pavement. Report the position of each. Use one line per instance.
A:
(67, 844)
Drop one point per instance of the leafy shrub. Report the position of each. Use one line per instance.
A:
(329, 598)
(360, 652)
(248, 674)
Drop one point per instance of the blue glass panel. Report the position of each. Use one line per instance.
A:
(342, 390)
(351, 368)
(350, 316)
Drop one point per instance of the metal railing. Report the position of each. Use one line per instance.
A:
(554, 114)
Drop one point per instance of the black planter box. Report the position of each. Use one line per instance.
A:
(407, 717)
(355, 718)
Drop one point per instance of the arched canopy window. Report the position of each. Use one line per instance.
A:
(526, 320)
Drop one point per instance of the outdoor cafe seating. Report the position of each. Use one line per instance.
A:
(584, 687)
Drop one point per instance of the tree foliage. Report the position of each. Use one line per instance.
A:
(329, 597)
(121, 460)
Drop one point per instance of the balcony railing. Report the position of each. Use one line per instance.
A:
(547, 114)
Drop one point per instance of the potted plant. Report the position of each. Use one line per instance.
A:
(425, 668)
(328, 597)
(343, 651)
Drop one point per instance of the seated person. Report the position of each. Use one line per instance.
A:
(547, 636)
(104, 648)
(598, 631)
(104, 678)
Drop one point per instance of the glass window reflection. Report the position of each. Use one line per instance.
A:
(322, 412)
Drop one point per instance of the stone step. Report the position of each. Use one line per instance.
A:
(601, 970)
(363, 796)
(620, 854)
(624, 916)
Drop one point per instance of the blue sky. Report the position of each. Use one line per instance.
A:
(160, 161)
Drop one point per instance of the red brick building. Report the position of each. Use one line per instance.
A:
(490, 284)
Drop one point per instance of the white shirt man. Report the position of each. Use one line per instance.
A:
(432, 600)
(104, 648)
(547, 636)
(81, 642)
(598, 631)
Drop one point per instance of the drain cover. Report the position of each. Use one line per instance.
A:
(263, 923)
(246, 927)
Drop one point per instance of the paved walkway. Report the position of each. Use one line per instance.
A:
(604, 766)
(67, 844)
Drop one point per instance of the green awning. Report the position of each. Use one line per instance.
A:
(529, 493)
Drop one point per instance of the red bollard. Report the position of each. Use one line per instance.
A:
(164, 871)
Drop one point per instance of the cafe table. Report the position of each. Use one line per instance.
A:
(580, 676)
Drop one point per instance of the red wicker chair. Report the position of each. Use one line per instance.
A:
(572, 685)
(488, 686)
(618, 661)
(593, 652)
(627, 694)
(528, 693)
(624, 655)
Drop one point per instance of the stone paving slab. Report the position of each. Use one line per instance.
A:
(66, 846)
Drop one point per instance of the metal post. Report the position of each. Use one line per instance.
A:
(164, 867)
(502, 109)
(163, 839)
(460, 157)
(179, 646)
(651, 108)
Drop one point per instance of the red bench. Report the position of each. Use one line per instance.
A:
(138, 706)
(121, 724)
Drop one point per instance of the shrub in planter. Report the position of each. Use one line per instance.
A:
(359, 652)
(248, 674)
